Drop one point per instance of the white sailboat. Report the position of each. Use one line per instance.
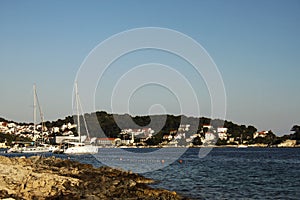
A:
(80, 147)
(36, 148)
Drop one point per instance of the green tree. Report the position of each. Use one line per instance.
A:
(269, 139)
(156, 139)
(197, 141)
(296, 135)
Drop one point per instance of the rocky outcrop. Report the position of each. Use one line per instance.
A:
(52, 178)
(288, 143)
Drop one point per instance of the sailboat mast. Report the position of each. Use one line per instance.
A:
(77, 108)
(34, 108)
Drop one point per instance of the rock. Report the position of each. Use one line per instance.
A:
(131, 183)
(115, 182)
(5, 160)
(288, 143)
(52, 178)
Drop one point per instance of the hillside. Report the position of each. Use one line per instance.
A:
(102, 124)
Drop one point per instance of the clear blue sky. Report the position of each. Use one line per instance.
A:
(255, 44)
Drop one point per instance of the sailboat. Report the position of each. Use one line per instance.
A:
(35, 148)
(80, 147)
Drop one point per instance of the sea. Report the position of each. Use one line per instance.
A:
(219, 173)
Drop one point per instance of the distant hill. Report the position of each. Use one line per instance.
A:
(103, 124)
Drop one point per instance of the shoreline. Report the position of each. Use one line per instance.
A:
(4, 150)
(201, 146)
(39, 177)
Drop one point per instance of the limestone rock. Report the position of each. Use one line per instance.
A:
(52, 178)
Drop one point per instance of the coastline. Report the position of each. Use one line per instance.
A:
(205, 146)
(3, 151)
(38, 177)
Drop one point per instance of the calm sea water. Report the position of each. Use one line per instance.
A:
(225, 173)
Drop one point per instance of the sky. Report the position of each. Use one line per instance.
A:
(254, 44)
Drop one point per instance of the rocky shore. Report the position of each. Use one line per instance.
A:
(52, 178)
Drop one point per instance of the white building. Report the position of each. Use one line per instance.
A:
(136, 132)
(191, 138)
(209, 137)
(184, 127)
(70, 126)
(3, 145)
(179, 136)
(222, 133)
(11, 125)
(64, 127)
(222, 136)
(55, 130)
(208, 126)
(105, 141)
(260, 134)
(222, 130)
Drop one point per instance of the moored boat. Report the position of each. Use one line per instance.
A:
(33, 147)
(80, 147)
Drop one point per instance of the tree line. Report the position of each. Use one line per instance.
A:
(103, 124)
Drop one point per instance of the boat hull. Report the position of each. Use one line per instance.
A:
(28, 150)
(82, 150)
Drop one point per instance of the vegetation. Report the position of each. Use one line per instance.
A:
(8, 138)
(197, 141)
(269, 139)
(296, 135)
(102, 124)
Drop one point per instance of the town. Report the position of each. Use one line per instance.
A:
(206, 135)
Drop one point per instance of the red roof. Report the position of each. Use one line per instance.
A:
(106, 139)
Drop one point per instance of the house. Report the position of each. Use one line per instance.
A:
(4, 145)
(207, 126)
(184, 127)
(222, 130)
(167, 137)
(70, 126)
(191, 138)
(222, 133)
(127, 142)
(260, 134)
(136, 132)
(222, 136)
(55, 130)
(105, 141)
(11, 125)
(179, 136)
(209, 137)
(3, 126)
(64, 126)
